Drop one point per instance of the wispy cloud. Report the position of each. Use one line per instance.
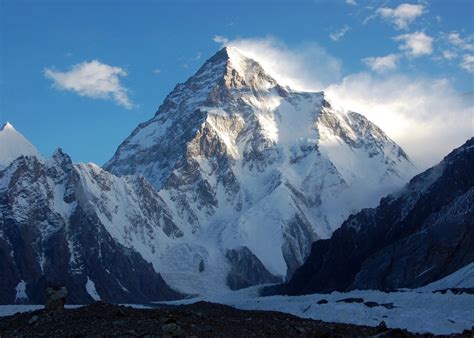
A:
(335, 36)
(416, 44)
(382, 63)
(156, 71)
(351, 2)
(459, 48)
(220, 39)
(449, 55)
(93, 79)
(402, 15)
(455, 39)
(467, 63)
(307, 66)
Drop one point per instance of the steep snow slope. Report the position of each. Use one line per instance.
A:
(463, 279)
(414, 237)
(13, 145)
(246, 165)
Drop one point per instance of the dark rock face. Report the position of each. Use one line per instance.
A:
(247, 270)
(51, 235)
(412, 238)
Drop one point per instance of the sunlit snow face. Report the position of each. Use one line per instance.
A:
(426, 116)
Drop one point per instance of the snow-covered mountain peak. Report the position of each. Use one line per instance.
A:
(243, 71)
(7, 125)
(247, 165)
(13, 145)
(231, 69)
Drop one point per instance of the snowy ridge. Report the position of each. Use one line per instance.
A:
(241, 161)
(128, 207)
(89, 218)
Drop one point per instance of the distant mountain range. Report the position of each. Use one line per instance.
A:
(227, 186)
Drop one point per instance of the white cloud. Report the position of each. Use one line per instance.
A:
(220, 39)
(335, 36)
(427, 117)
(351, 2)
(455, 39)
(156, 71)
(305, 67)
(402, 15)
(93, 79)
(467, 63)
(383, 63)
(416, 44)
(449, 55)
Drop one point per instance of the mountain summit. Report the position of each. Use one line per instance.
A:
(253, 172)
(13, 145)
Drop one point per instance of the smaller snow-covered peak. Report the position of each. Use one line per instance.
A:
(13, 145)
(7, 126)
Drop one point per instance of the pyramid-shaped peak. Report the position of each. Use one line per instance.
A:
(13, 145)
(237, 69)
(235, 54)
(228, 53)
(7, 126)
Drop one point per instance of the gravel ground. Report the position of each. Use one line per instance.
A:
(201, 319)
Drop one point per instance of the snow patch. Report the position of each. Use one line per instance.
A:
(21, 291)
(90, 288)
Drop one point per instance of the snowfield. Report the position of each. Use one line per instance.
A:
(414, 310)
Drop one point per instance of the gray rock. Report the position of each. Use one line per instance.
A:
(33, 320)
(247, 270)
(56, 298)
(172, 329)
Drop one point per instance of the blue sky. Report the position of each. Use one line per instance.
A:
(144, 48)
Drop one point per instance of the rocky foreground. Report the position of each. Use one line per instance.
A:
(201, 319)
